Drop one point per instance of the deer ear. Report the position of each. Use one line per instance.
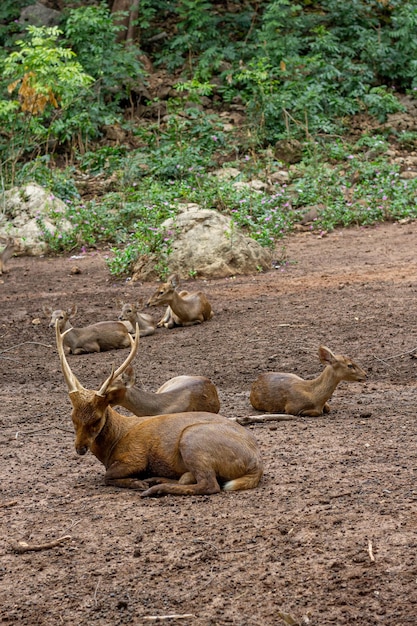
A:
(129, 377)
(326, 356)
(72, 311)
(174, 279)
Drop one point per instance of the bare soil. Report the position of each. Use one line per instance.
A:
(329, 536)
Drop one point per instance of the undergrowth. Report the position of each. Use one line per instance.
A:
(347, 184)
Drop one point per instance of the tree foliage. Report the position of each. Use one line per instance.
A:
(295, 70)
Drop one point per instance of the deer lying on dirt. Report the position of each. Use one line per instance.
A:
(130, 313)
(181, 453)
(288, 393)
(184, 308)
(5, 254)
(177, 395)
(94, 338)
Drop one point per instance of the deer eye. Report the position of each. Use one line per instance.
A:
(351, 366)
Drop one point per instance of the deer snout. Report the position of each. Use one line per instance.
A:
(82, 450)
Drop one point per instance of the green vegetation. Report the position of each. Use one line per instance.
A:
(291, 71)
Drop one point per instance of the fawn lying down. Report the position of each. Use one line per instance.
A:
(130, 313)
(184, 308)
(278, 392)
(193, 453)
(179, 394)
(97, 337)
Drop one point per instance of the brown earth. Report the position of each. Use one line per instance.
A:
(329, 536)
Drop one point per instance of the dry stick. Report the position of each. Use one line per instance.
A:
(395, 356)
(268, 417)
(370, 551)
(22, 546)
(36, 343)
(384, 363)
(157, 618)
(38, 430)
(4, 505)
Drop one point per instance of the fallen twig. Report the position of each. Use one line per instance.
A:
(157, 618)
(267, 417)
(385, 363)
(37, 343)
(38, 430)
(21, 546)
(395, 356)
(4, 505)
(370, 551)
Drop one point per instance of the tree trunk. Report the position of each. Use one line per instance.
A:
(130, 32)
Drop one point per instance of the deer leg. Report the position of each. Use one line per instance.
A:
(157, 480)
(203, 486)
(310, 413)
(165, 319)
(119, 475)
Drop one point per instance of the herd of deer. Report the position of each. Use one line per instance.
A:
(175, 442)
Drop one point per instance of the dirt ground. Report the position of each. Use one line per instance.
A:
(329, 536)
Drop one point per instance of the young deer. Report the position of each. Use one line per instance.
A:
(130, 313)
(181, 453)
(184, 308)
(94, 338)
(279, 392)
(177, 395)
(5, 254)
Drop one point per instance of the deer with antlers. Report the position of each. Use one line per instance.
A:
(193, 453)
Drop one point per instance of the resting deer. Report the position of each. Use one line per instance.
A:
(5, 254)
(130, 313)
(177, 395)
(184, 308)
(180, 453)
(94, 338)
(288, 393)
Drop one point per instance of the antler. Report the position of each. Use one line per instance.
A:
(72, 382)
(114, 374)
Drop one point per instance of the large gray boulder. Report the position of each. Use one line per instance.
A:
(39, 15)
(26, 212)
(207, 244)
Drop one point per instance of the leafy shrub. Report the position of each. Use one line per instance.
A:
(91, 31)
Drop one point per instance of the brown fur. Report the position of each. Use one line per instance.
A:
(98, 337)
(130, 313)
(184, 308)
(177, 395)
(192, 453)
(279, 392)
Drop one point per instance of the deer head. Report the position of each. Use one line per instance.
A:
(90, 408)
